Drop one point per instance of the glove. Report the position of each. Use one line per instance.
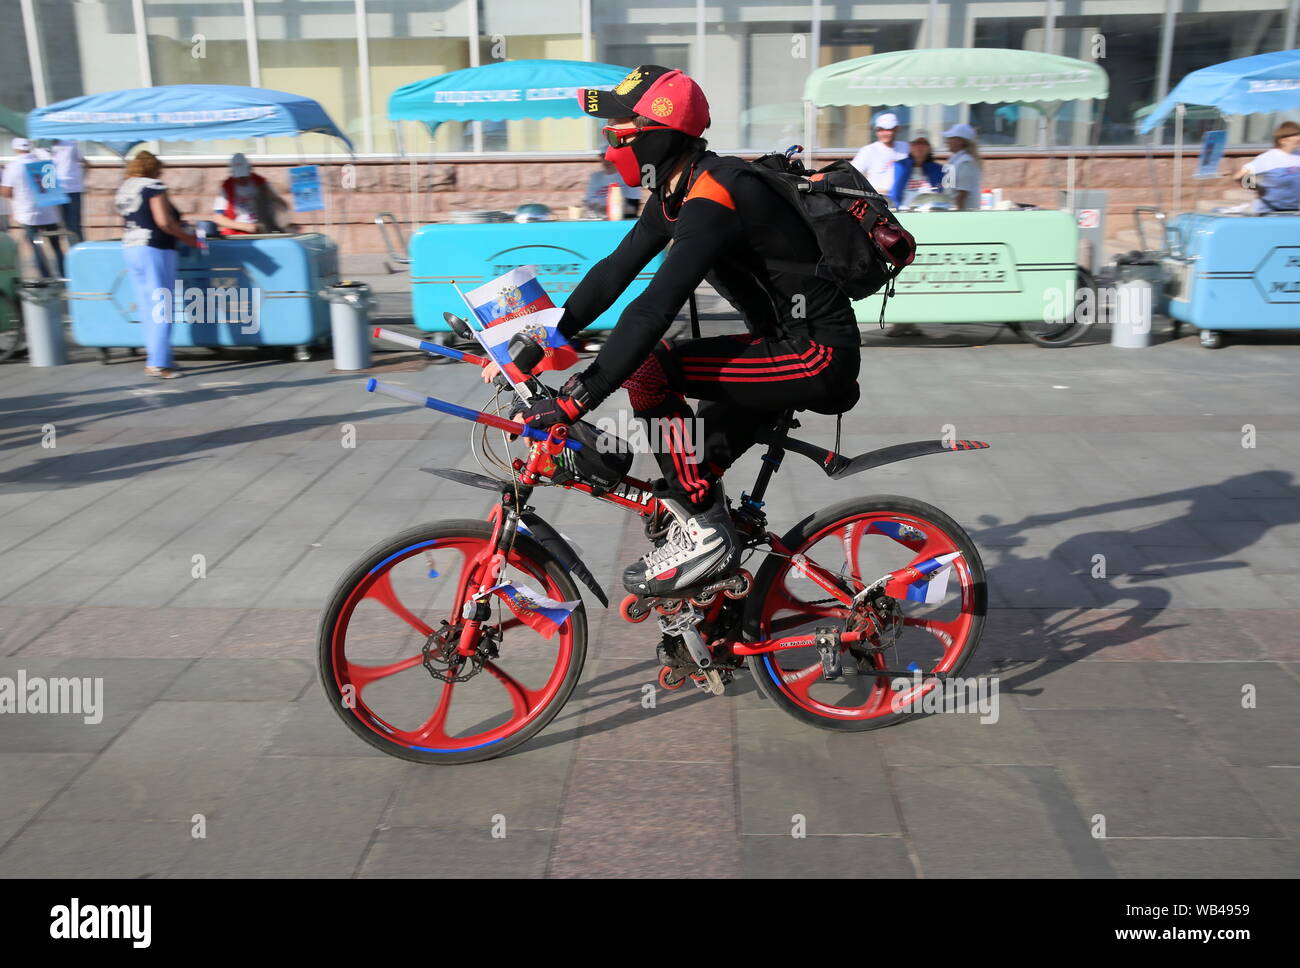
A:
(572, 402)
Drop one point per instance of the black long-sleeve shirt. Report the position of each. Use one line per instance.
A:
(729, 227)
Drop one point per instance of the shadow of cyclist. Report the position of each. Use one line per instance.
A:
(1091, 615)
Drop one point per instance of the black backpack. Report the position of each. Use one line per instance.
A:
(863, 245)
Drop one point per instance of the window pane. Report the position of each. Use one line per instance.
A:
(1000, 123)
(859, 30)
(16, 94)
(411, 40)
(757, 55)
(525, 30)
(1204, 39)
(198, 42)
(311, 48)
(1128, 49)
(630, 33)
(87, 47)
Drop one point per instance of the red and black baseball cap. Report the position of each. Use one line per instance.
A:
(665, 96)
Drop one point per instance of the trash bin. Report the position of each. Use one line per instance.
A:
(1130, 324)
(350, 305)
(43, 321)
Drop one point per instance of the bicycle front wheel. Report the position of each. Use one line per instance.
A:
(861, 540)
(387, 639)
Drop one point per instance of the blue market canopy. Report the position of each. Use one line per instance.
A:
(504, 91)
(1249, 85)
(180, 112)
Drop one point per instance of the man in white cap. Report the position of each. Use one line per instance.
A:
(877, 160)
(36, 220)
(246, 204)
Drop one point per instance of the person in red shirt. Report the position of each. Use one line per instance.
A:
(247, 204)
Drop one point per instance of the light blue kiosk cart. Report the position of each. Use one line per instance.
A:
(1223, 272)
(256, 290)
(473, 254)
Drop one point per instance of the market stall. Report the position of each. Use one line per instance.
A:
(472, 254)
(228, 289)
(1015, 266)
(1227, 272)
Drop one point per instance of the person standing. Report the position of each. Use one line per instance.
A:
(151, 227)
(877, 160)
(961, 173)
(70, 168)
(916, 173)
(36, 220)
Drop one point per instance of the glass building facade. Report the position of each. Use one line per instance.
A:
(751, 56)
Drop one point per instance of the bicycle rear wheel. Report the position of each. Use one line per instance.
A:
(384, 638)
(861, 540)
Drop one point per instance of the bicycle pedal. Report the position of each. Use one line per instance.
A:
(828, 644)
(709, 680)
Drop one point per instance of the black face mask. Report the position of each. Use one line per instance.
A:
(656, 153)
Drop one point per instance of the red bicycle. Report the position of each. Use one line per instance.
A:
(460, 640)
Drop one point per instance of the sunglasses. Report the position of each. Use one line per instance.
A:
(618, 137)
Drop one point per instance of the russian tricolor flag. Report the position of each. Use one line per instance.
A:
(516, 303)
(926, 581)
(543, 327)
(545, 615)
(517, 293)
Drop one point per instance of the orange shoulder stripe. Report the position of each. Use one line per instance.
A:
(706, 186)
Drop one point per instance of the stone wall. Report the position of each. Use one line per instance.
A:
(446, 187)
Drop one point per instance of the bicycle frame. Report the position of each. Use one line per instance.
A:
(636, 495)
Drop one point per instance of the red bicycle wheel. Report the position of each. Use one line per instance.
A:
(862, 540)
(387, 660)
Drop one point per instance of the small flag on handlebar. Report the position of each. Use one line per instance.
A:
(517, 293)
(544, 615)
(517, 303)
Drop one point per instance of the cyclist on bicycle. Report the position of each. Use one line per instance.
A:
(725, 224)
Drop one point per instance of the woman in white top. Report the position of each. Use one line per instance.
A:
(1282, 158)
(961, 173)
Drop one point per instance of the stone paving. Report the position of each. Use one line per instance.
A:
(1121, 698)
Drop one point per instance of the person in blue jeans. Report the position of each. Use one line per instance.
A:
(40, 223)
(151, 228)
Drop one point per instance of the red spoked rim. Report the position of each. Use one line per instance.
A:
(505, 701)
(897, 539)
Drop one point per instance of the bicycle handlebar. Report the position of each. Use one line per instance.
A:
(465, 413)
(459, 356)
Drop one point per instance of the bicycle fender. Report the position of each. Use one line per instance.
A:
(888, 455)
(554, 542)
(466, 477)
